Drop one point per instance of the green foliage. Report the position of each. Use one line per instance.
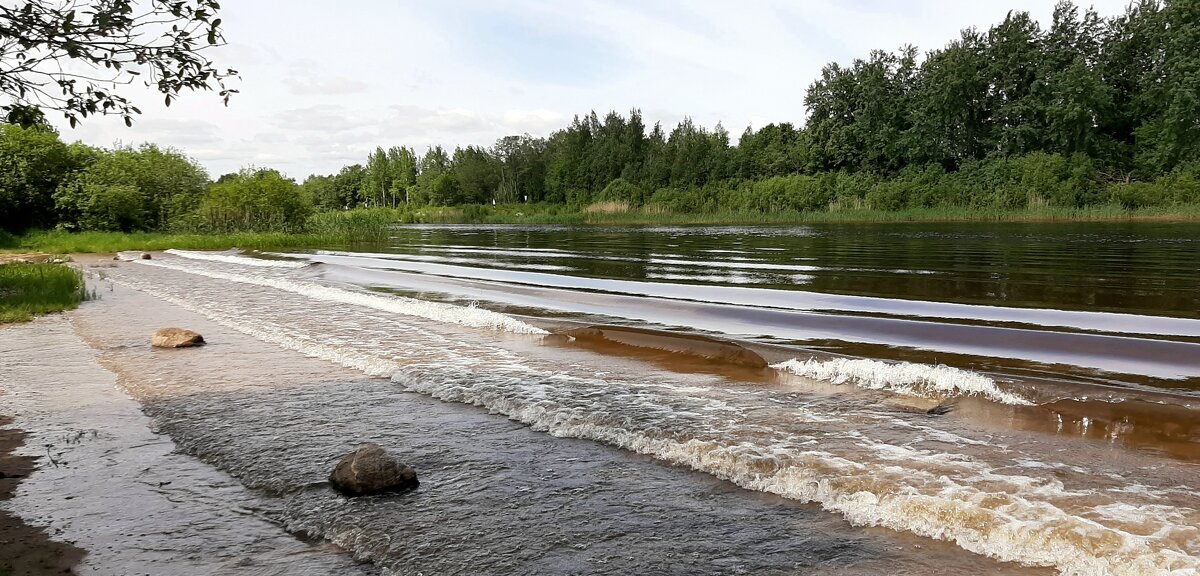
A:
(128, 189)
(30, 289)
(33, 163)
(354, 226)
(254, 201)
(74, 56)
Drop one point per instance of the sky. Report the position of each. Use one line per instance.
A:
(324, 83)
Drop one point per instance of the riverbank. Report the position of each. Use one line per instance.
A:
(34, 285)
(650, 216)
(372, 225)
(102, 492)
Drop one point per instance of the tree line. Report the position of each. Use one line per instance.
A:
(1085, 111)
(45, 183)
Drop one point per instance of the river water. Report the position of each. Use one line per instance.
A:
(1026, 393)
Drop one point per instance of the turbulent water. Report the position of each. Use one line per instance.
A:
(1061, 438)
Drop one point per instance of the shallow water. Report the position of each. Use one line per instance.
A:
(1083, 468)
(496, 497)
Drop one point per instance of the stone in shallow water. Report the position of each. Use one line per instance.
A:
(175, 338)
(371, 470)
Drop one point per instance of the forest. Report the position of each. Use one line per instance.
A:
(1083, 111)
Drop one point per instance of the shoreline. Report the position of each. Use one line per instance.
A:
(36, 244)
(24, 548)
(104, 493)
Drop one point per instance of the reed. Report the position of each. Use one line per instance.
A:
(28, 289)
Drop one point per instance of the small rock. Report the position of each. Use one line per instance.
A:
(371, 470)
(175, 338)
(145, 255)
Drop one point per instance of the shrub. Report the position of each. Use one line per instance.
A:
(254, 201)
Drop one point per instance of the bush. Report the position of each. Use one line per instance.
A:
(1134, 195)
(621, 190)
(254, 201)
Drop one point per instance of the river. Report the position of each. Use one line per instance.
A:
(1025, 392)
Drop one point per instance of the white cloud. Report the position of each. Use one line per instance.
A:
(324, 83)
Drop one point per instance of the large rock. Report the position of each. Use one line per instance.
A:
(371, 470)
(175, 338)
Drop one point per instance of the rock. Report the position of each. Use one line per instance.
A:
(145, 255)
(371, 470)
(175, 338)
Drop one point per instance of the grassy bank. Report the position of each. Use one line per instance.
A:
(28, 289)
(615, 213)
(82, 242)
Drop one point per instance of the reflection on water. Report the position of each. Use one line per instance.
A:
(1107, 304)
(1150, 268)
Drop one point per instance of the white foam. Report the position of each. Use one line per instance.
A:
(231, 258)
(1017, 526)
(921, 380)
(437, 311)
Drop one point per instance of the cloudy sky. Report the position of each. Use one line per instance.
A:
(323, 83)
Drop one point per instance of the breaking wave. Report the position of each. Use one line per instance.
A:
(470, 316)
(233, 258)
(921, 380)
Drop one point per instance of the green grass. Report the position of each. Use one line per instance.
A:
(651, 215)
(29, 289)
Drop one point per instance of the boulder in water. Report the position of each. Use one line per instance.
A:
(371, 470)
(175, 338)
(145, 255)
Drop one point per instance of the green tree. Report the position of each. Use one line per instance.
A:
(33, 163)
(477, 174)
(144, 188)
(255, 201)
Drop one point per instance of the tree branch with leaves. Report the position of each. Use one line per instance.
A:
(75, 56)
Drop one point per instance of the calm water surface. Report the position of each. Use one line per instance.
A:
(1140, 268)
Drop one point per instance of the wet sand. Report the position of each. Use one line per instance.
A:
(25, 549)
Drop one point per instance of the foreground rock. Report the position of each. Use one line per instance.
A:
(175, 338)
(371, 470)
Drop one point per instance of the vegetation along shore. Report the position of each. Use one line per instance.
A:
(1086, 118)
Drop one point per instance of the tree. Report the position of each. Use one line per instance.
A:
(477, 174)
(33, 163)
(126, 189)
(73, 56)
(255, 201)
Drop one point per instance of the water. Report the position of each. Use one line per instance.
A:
(1037, 420)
